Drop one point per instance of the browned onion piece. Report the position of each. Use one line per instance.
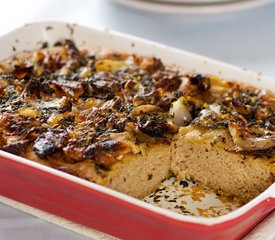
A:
(246, 141)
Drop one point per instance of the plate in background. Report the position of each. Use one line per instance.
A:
(191, 7)
(195, 1)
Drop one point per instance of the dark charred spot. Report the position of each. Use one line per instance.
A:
(67, 122)
(47, 89)
(240, 106)
(18, 125)
(69, 44)
(87, 89)
(104, 121)
(116, 103)
(116, 123)
(103, 86)
(52, 63)
(32, 89)
(74, 52)
(153, 127)
(177, 95)
(111, 145)
(18, 148)
(270, 124)
(184, 184)
(1, 90)
(198, 84)
(2, 139)
(23, 71)
(50, 142)
(168, 82)
(147, 82)
(73, 89)
(100, 125)
(165, 103)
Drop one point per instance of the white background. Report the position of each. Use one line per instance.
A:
(245, 38)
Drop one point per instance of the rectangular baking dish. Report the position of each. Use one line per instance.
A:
(97, 206)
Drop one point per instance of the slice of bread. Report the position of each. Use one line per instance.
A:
(206, 156)
(139, 175)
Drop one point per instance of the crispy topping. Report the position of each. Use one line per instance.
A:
(154, 126)
(50, 142)
(23, 70)
(168, 81)
(98, 105)
(143, 109)
(104, 153)
(74, 151)
(198, 84)
(252, 139)
(17, 148)
(72, 89)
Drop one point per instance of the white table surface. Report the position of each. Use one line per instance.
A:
(245, 38)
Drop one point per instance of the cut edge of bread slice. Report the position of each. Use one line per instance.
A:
(205, 156)
(139, 175)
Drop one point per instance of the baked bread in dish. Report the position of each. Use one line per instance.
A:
(128, 121)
